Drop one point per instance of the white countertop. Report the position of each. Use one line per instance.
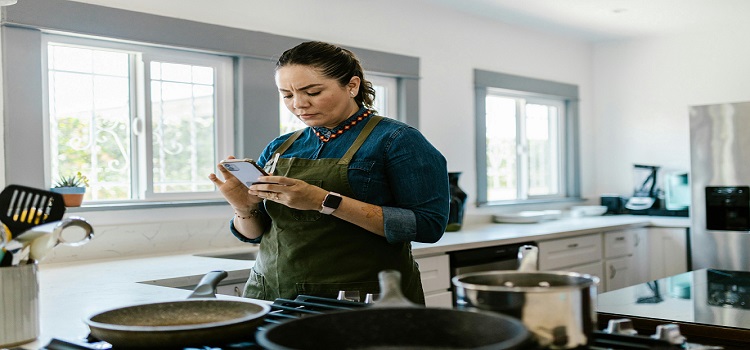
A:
(70, 292)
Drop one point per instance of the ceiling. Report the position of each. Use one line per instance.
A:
(600, 20)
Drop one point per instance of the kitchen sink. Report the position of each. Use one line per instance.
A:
(233, 285)
(243, 255)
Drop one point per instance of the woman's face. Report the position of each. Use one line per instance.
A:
(315, 99)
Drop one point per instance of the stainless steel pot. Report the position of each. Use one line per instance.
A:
(559, 308)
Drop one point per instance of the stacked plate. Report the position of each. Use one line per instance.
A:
(527, 217)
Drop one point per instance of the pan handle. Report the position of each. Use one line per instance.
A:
(206, 288)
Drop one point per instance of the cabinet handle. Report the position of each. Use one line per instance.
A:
(621, 238)
(573, 245)
(637, 240)
(612, 272)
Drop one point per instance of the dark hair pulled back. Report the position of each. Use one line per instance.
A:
(333, 62)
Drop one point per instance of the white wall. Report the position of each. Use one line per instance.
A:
(642, 90)
(450, 46)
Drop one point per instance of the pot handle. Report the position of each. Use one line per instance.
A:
(528, 258)
(390, 290)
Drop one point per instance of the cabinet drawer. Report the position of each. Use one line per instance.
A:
(561, 253)
(435, 271)
(618, 243)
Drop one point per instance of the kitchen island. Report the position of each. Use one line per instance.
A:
(72, 291)
(710, 306)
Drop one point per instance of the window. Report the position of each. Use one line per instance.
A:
(524, 140)
(385, 103)
(141, 123)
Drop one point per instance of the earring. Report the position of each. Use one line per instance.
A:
(353, 94)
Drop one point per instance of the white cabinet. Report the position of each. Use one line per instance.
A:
(623, 251)
(668, 251)
(566, 252)
(618, 272)
(436, 280)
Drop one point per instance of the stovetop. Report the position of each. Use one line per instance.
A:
(285, 309)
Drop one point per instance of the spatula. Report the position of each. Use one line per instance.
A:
(22, 208)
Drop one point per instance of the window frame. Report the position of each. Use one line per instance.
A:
(141, 137)
(487, 82)
(254, 54)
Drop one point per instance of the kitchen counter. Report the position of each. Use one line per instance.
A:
(70, 292)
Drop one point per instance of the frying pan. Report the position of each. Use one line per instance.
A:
(199, 320)
(395, 323)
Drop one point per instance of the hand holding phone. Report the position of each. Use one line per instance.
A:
(246, 170)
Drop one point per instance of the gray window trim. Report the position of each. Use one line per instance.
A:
(254, 53)
(483, 80)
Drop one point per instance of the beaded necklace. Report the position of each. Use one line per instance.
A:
(332, 135)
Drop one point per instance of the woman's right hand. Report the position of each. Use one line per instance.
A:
(233, 190)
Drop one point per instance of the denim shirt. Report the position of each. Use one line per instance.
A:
(396, 168)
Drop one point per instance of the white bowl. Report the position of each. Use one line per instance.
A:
(588, 210)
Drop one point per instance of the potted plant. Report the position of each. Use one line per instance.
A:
(72, 189)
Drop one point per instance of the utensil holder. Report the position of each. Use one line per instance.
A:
(19, 305)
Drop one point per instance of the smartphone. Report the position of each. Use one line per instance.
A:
(246, 170)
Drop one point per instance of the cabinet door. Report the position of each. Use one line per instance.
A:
(618, 272)
(435, 272)
(561, 253)
(668, 253)
(593, 269)
(641, 257)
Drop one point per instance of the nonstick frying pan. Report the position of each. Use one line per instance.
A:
(200, 320)
(395, 323)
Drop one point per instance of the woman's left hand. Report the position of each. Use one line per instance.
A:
(293, 193)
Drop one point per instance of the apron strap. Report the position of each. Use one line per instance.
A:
(374, 120)
(284, 146)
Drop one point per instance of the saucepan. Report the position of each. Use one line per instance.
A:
(200, 320)
(559, 308)
(393, 322)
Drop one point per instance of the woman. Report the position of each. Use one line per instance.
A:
(348, 193)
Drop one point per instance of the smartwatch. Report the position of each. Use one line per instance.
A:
(331, 203)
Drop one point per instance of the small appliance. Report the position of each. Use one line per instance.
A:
(644, 194)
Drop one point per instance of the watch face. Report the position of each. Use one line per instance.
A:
(332, 200)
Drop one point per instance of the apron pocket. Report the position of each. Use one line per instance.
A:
(255, 287)
(331, 290)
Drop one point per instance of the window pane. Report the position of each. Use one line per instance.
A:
(90, 118)
(183, 126)
(541, 131)
(501, 148)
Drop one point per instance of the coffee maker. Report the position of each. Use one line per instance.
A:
(644, 194)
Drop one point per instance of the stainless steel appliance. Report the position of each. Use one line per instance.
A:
(720, 175)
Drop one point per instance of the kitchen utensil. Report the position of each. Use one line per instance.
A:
(196, 321)
(393, 322)
(22, 208)
(43, 238)
(559, 308)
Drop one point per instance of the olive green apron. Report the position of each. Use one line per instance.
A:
(306, 252)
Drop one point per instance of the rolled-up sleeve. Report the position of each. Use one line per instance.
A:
(418, 176)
